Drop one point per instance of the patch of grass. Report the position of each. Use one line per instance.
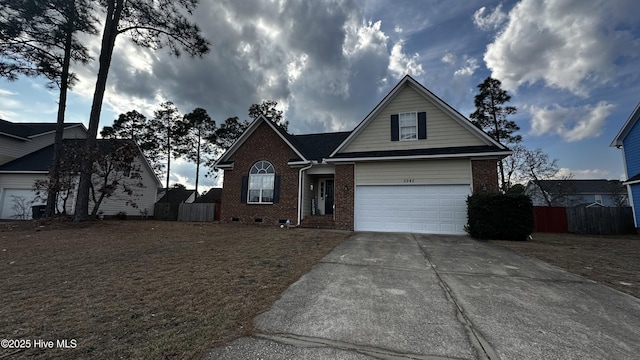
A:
(146, 289)
(610, 260)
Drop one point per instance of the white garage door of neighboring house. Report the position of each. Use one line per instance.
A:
(433, 209)
(21, 207)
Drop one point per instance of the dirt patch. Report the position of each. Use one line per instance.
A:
(610, 260)
(144, 289)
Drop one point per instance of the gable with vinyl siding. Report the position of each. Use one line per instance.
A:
(12, 148)
(442, 130)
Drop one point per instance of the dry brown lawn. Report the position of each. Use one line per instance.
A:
(611, 260)
(145, 289)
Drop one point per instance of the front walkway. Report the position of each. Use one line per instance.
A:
(405, 296)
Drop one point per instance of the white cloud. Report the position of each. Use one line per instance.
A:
(469, 67)
(570, 45)
(572, 124)
(448, 58)
(491, 20)
(4, 92)
(362, 37)
(401, 64)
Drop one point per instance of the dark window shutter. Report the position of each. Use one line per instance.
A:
(276, 189)
(422, 125)
(395, 127)
(244, 189)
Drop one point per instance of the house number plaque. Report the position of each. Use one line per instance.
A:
(409, 180)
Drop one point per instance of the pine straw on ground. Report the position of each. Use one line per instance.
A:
(145, 289)
(611, 260)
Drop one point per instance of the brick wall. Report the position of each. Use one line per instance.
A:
(263, 144)
(485, 176)
(344, 198)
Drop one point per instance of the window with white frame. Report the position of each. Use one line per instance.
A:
(261, 183)
(408, 123)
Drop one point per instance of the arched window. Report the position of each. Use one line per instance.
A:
(261, 183)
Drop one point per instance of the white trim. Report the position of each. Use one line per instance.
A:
(414, 125)
(439, 103)
(53, 131)
(23, 172)
(631, 182)
(300, 192)
(299, 163)
(412, 184)
(626, 128)
(633, 208)
(15, 136)
(223, 167)
(410, 157)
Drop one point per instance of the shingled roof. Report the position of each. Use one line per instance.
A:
(40, 160)
(318, 146)
(25, 131)
(600, 186)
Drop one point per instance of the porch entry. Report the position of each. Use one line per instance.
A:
(325, 196)
(328, 198)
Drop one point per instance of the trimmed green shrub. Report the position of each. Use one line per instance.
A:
(499, 217)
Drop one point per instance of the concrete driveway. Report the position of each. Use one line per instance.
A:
(408, 296)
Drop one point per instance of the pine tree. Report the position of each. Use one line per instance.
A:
(196, 138)
(491, 116)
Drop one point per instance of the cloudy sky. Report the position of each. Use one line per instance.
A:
(571, 67)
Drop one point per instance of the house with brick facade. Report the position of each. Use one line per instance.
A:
(407, 167)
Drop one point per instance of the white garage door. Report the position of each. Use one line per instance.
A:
(432, 209)
(16, 204)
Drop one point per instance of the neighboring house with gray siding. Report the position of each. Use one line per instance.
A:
(569, 193)
(26, 150)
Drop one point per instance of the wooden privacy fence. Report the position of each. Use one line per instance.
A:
(582, 220)
(197, 212)
(600, 220)
(165, 211)
(550, 219)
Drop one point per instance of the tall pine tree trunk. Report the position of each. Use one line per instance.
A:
(168, 160)
(114, 10)
(54, 170)
(198, 163)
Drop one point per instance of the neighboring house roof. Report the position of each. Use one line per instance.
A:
(213, 195)
(626, 128)
(35, 162)
(600, 186)
(176, 196)
(40, 160)
(26, 131)
(439, 103)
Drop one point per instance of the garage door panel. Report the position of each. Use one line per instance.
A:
(412, 208)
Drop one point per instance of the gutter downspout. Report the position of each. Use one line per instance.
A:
(300, 183)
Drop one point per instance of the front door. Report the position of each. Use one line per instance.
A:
(328, 197)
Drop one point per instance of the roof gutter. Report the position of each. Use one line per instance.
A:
(24, 172)
(410, 157)
(300, 183)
